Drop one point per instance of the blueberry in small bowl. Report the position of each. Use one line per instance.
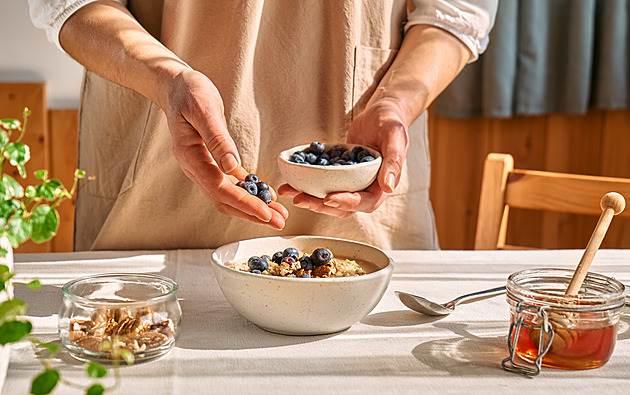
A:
(318, 169)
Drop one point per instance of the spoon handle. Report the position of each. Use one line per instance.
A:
(487, 293)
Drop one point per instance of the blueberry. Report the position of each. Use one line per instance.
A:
(349, 156)
(317, 148)
(368, 158)
(252, 177)
(362, 155)
(340, 162)
(289, 260)
(265, 196)
(305, 275)
(357, 149)
(337, 150)
(256, 271)
(321, 256)
(295, 158)
(321, 162)
(311, 158)
(333, 160)
(256, 263)
(306, 262)
(262, 186)
(265, 258)
(277, 257)
(290, 251)
(250, 187)
(240, 184)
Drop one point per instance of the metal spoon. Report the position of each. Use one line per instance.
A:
(425, 306)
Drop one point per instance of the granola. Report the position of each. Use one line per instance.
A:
(294, 263)
(133, 330)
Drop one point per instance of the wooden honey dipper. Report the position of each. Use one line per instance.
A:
(612, 204)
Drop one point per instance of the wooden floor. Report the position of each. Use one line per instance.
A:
(597, 143)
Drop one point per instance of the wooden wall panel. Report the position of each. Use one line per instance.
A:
(13, 98)
(63, 143)
(595, 143)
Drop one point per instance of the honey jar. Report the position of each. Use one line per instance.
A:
(551, 329)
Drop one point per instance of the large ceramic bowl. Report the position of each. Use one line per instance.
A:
(319, 181)
(302, 306)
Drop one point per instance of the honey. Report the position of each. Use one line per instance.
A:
(571, 349)
(578, 332)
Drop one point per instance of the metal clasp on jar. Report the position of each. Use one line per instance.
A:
(543, 346)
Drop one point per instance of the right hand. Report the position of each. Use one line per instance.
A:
(206, 152)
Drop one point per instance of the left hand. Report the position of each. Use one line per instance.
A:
(379, 126)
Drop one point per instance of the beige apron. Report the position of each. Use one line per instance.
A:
(290, 72)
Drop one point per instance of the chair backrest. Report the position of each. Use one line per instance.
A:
(503, 187)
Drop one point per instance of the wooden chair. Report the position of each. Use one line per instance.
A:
(503, 187)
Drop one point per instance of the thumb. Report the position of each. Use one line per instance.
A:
(213, 131)
(394, 153)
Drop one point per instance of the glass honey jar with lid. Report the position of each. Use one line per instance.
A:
(551, 329)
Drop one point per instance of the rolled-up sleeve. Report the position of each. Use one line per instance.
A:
(469, 21)
(50, 15)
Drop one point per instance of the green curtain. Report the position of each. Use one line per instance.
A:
(547, 56)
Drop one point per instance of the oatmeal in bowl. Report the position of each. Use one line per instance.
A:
(279, 298)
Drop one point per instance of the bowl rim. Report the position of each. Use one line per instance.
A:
(284, 156)
(88, 301)
(365, 277)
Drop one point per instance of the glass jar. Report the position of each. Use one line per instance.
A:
(550, 329)
(104, 314)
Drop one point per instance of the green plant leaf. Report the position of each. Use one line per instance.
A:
(19, 231)
(95, 389)
(53, 348)
(10, 188)
(5, 275)
(34, 285)
(14, 331)
(10, 123)
(79, 173)
(48, 189)
(44, 221)
(45, 382)
(95, 370)
(18, 154)
(41, 174)
(11, 309)
(4, 138)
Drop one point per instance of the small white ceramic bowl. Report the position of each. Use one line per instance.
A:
(302, 306)
(319, 181)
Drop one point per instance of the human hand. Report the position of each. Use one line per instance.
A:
(206, 152)
(379, 126)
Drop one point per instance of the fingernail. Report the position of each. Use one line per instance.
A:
(332, 203)
(389, 180)
(228, 163)
(265, 219)
(302, 205)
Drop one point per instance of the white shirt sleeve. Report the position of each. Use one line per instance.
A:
(50, 15)
(469, 21)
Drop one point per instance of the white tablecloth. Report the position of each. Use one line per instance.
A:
(392, 350)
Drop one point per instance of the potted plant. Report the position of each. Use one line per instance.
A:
(28, 213)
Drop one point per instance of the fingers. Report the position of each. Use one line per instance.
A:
(202, 107)
(338, 204)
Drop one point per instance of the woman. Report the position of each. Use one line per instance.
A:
(182, 99)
